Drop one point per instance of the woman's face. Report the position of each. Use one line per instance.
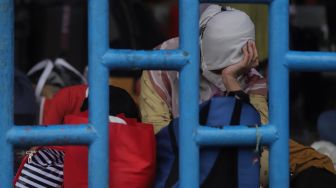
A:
(249, 60)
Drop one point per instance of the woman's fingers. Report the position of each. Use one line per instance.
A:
(254, 61)
(255, 52)
(250, 60)
(245, 59)
(250, 50)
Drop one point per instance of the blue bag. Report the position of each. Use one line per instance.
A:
(222, 167)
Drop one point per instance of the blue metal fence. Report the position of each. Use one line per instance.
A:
(186, 61)
(6, 90)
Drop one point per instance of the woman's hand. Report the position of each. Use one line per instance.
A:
(250, 60)
(231, 73)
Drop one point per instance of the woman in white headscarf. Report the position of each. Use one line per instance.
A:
(228, 58)
(227, 40)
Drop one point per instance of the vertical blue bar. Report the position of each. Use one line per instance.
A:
(6, 90)
(278, 82)
(98, 99)
(189, 94)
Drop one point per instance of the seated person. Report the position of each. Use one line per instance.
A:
(228, 58)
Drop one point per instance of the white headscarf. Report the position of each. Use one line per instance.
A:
(223, 35)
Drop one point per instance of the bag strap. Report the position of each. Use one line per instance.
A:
(38, 66)
(227, 160)
(203, 114)
(224, 172)
(48, 66)
(174, 172)
(236, 113)
(41, 112)
(173, 175)
(65, 64)
(172, 136)
(241, 155)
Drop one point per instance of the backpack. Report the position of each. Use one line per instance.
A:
(219, 166)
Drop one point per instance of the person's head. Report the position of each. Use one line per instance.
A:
(224, 32)
(121, 102)
(326, 126)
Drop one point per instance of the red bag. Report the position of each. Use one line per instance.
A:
(132, 156)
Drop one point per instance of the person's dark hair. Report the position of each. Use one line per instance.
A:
(120, 102)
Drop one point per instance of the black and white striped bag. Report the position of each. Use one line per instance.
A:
(41, 168)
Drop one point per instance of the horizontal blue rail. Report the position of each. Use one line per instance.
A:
(140, 59)
(51, 135)
(311, 61)
(235, 135)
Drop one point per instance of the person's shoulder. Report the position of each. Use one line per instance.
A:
(123, 96)
(118, 91)
(169, 44)
(78, 90)
(80, 87)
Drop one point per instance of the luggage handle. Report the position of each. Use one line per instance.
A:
(63, 63)
(48, 66)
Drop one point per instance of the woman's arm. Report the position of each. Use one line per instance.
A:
(231, 73)
(153, 109)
